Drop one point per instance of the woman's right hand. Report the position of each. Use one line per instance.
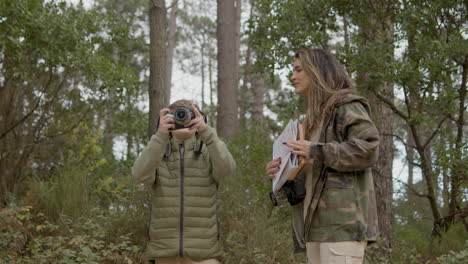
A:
(166, 121)
(273, 167)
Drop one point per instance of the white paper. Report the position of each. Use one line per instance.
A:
(283, 152)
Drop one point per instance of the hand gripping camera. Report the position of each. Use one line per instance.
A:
(182, 116)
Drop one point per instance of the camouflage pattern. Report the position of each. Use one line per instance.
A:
(343, 206)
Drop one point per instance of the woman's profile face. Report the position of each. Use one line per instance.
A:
(299, 78)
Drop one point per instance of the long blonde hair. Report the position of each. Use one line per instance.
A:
(329, 83)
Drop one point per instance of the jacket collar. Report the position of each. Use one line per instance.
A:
(188, 143)
(354, 98)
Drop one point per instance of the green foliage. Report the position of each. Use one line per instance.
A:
(252, 150)
(69, 188)
(66, 194)
(417, 48)
(414, 238)
(455, 257)
(37, 240)
(282, 26)
(252, 230)
(59, 69)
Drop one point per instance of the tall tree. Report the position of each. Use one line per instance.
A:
(197, 49)
(432, 81)
(117, 120)
(259, 84)
(254, 82)
(157, 90)
(376, 36)
(228, 69)
(109, 131)
(171, 42)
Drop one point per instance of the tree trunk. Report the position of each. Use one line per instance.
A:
(377, 31)
(411, 199)
(202, 71)
(410, 156)
(210, 74)
(10, 113)
(258, 89)
(346, 33)
(412, 94)
(243, 98)
(459, 171)
(157, 90)
(445, 181)
(228, 69)
(211, 119)
(171, 42)
(258, 83)
(108, 136)
(382, 169)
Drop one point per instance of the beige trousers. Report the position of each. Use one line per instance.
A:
(185, 261)
(346, 252)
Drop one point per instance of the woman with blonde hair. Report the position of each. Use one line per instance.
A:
(338, 216)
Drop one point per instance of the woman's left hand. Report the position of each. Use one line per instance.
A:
(300, 147)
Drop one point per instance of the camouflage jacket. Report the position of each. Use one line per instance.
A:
(343, 206)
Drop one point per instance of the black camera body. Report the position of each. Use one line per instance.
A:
(182, 116)
(293, 190)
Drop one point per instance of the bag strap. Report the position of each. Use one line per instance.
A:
(320, 184)
(319, 187)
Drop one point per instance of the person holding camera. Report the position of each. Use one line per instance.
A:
(183, 164)
(338, 215)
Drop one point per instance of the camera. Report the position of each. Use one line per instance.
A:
(293, 191)
(182, 116)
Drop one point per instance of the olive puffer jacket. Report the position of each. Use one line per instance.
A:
(184, 220)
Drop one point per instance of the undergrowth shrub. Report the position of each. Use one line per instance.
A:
(65, 194)
(455, 257)
(253, 230)
(82, 240)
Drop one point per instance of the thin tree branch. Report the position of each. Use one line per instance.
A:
(435, 132)
(175, 2)
(462, 107)
(73, 126)
(391, 105)
(31, 111)
(46, 107)
(402, 140)
(415, 192)
(406, 148)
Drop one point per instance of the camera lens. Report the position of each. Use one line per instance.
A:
(181, 115)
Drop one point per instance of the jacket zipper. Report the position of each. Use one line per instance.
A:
(181, 234)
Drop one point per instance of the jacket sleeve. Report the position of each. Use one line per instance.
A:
(221, 159)
(359, 150)
(144, 168)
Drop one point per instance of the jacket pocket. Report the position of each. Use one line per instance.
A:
(337, 205)
(346, 252)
